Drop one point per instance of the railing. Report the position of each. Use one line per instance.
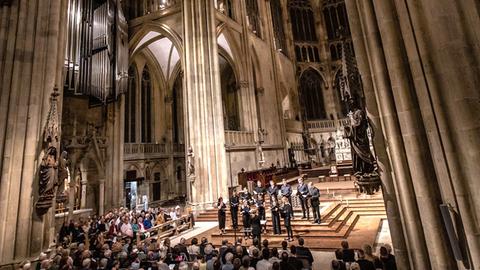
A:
(328, 124)
(239, 138)
(179, 148)
(168, 229)
(139, 8)
(144, 148)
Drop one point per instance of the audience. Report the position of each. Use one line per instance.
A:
(119, 240)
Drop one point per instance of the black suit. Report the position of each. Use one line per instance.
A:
(221, 216)
(315, 201)
(276, 220)
(246, 219)
(234, 210)
(302, 191)
(366, 264)
(348, 255)
(288, 212)
(257, 229)
(305, 253)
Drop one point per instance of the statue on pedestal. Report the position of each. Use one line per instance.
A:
(191, 162)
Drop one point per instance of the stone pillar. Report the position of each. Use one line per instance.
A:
(101, 196)
(389, 190)
(31, 43)
(415, 141)
(203, 102)
(444, 55)
(368, 32)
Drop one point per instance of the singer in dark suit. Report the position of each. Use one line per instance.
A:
(234, 203)
(315, 202)
(302, 192)
(287, 213)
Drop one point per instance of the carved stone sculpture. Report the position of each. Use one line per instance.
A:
(191, 161)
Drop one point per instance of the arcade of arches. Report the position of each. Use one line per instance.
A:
(177, 102)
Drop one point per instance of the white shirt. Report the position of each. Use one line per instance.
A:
(264, 265)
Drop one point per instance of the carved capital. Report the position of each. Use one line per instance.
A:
(260, 91)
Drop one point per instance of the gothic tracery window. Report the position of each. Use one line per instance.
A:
(304, 31)
(338, 29)
(278, 30)
(311, 95)
(146, 106)
(253, 17)
(231, 114)
(130, 106)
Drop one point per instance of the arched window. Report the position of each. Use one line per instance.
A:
(336, 20)
(311, 95)
(303, 21)
(277, 21)
(231, 117)
(130, 106)
(146, 106)
(177, 111)
(253, 17)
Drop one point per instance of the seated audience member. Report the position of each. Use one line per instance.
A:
(372, 257)
(284, 249)
(194, 249)
(264, 264)
(339, 260)
(246, 263)
(364, 263)
(274, 256)
(228, 265)
(294, 260)
(304, 252)
(355, 266)
(387, 259)
(348, 254)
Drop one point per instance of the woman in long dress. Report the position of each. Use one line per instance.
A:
(221, 215)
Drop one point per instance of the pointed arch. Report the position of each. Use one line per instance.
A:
(311, 95)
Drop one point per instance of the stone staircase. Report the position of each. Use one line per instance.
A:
(356, 220)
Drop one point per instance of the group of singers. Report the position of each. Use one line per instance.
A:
(280, 206)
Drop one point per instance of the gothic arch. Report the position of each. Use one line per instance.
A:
(311, 95)
(160, 28)
(324, 78)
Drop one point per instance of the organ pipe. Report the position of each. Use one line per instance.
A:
(96, 58)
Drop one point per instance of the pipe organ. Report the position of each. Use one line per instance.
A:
(96, 58)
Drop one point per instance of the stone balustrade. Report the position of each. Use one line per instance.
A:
(236, 138)
(327, 125)
(152, 150)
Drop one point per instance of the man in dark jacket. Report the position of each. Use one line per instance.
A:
(348, 254)
(256, 227)
(302, 193)
(234, 203)
(315, 202)
(364, 264)
(304, 252)
(286, 190)
(272, 191)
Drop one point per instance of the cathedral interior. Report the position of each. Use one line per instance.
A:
(136, 104)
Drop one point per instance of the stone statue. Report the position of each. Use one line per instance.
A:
(63, 174)
(191, 161)
(47, 182)
(357, 132)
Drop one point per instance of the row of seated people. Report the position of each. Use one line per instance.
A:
(363, 259)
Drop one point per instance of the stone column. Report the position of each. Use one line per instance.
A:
(444, 55)
(101, 196)
(30, 44)
(389, 190)
(413, 230)
(415, 141)
(203, 101)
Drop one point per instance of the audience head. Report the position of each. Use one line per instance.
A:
(284, 244)
(301, 242)
(361, 254)
(336, 265)
(383, 251)
(368, 249)
(293, 249)
(276, 266)
(345, 244)
(229, 257)
(265, 254)
(246, 261)
(354, 266)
